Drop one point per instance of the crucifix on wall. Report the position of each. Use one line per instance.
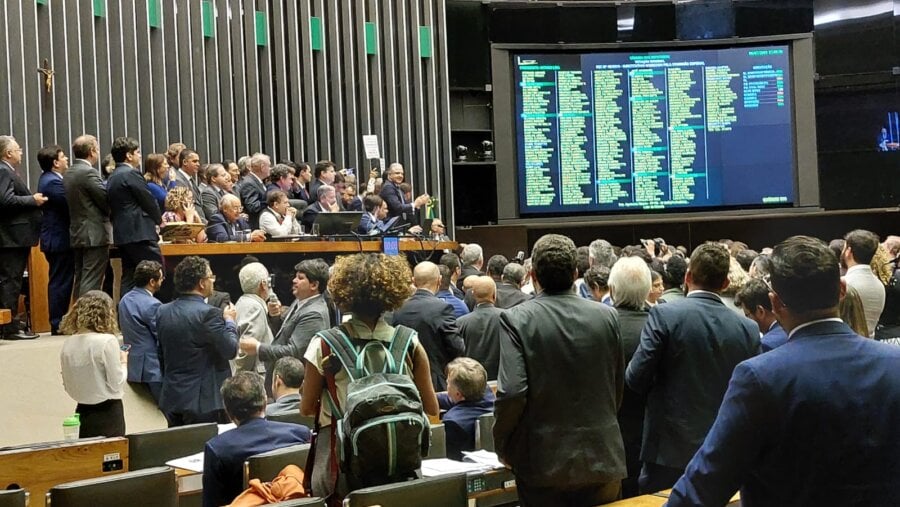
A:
(48, 75)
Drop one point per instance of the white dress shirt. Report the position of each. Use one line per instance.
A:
(91, 370)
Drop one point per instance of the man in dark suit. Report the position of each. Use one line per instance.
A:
(687, 352)
(451, 260)
(813, 422)
(287, 377)
(481, 328)
(19, 231)
(224, 455)
(89, 208)
(225, 225)
(302, 178)
(306, 316)
(398, 206)
(134, 212)
(186, 176)
(137, 320)
(434, 320)
(558, 428)
(753, 298)
(373, 218)
(55, 232)
(323, 174)
(220, 185)
(472, 259)
(509, 290)
(253, 189)
(196, 341)
(327, 203)
(446, 295)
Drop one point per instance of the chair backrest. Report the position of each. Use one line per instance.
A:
(438, 447)
(443, 491)
(484, 432)
(13, 498)
(295, 418)
(267, 465)
(153, 486)
(154, 448)
(300, 502)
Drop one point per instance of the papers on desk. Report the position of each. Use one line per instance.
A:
(482, 457)
(226, 427)
(444, 466)
(194, 462)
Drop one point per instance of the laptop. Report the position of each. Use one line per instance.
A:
(338, 222)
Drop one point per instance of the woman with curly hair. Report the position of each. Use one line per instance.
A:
(366, 286)
(180, 208)
(93, 366)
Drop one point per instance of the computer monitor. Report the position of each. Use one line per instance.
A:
(339, 222)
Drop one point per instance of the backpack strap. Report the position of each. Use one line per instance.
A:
(399, 348)
(331, 397)
(342, 346)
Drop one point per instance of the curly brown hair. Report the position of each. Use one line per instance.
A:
(370, 284)
(178, 198)
(92, 312)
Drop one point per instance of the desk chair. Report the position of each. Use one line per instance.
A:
(295, 418)
(443, 491)
(438, 448)
(153, 486)
(13, 498)
(484, 432)
(154, 448)
(267, 465)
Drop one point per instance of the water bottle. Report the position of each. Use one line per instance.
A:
(72, 427)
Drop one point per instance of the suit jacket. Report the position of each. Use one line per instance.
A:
(55, 224)
(367, 224)
(481, 332)
(309, 216)
(774, 338)
(88, 206)
(460, 422)
(181, 180)
(286, 405)
(631, 412)
(252, 320)
(467, 271)
(508, 295)
(459, 308)
(435, 322)
(253, 198)
(687, 352)
(224, 455)
(397, 205)
(134, 212)
(813, 422)
(558, 428)
(137, 320)
(21, 223)
(302, 193)
(195, 345)
(220, 230)
(296, 331)
(210, 198)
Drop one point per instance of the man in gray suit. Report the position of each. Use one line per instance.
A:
(220, 185)
(306, 316)
(558, 429)
(688, 349)
(89, 229)
(480, 329)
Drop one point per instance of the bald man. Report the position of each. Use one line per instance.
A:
(434, 320)
(480, 329)
(225, 225)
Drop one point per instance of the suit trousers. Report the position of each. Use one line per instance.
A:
(106, 419)
(586, 496)
(132, 254)
(59, 292)
(12, 272)
(90, 268)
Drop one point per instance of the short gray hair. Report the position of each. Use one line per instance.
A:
(258, 159)
(251, 276)
(602, 253)
(227, 199)
(629, 282)
(471, 254)
(322, 190)
(6, 143)
(514, 273)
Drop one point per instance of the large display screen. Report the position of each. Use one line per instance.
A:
(648, 131)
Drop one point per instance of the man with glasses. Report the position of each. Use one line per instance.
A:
(813, 422)
(196, 341)
(228, 224)
(19, 230)
(137, 320)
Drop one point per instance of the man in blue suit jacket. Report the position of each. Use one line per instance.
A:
(373, 219)
(225, 225)
(753, 298)
(813, 422)
(196, 341)
(137, 320)
(224, 455)
(687, 352)
(468, 397)
(393, 196)
(55, 232)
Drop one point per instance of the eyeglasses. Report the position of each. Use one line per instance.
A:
(768, 281)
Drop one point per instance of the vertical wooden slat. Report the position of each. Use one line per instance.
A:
(375, 65)
(294, 33)
(445, 148)
(281, 79)
(324, 149)
(61, 60)
(156, 80)
(117, 76)
(197, 49)
(133, 109)
(184, 72)
(171, 71)
(5, 92)
(266, 100)
(254, 133)
(225, 79)
(211, 67)
(46, 100)
(350, 53)
(390, 87)
(34, 87)
(335, 77)
(89, 63)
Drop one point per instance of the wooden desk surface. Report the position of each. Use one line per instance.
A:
(276, 247)
(38, 469)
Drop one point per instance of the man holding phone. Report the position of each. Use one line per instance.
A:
(137, 320)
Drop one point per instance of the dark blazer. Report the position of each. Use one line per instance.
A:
(774, 338)
(367, 224)
(397, 205)
(197, 193)
(55, 224)
(631, 412)
(195, 344)
(224, 455)
(134, 212)
(288, 404)
(137, 320)
(220, 231)
(508, 295)
(314, 190)
(467, 271)
(687, 352)
(253, 198)
(435, 322)
(560, 385)
(460, 422)
(296, 332)
(481, 332)
(302, 193)
(21, 223)
(88, 206)
(309, 216)
(813, 422)
(210, 198)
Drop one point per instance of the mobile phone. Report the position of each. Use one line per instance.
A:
(125, 348)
